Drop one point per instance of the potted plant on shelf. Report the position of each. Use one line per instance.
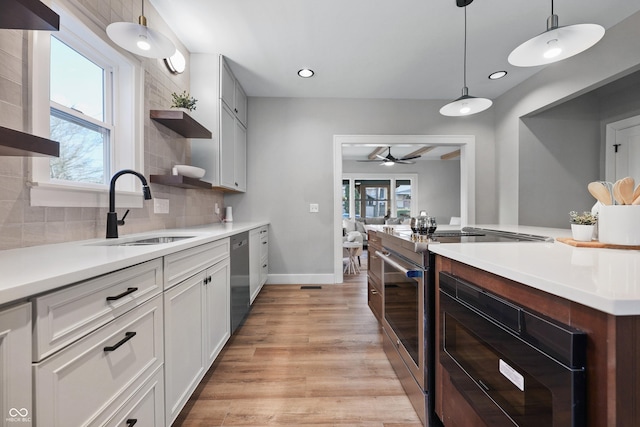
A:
(582, 225)
(183, 101)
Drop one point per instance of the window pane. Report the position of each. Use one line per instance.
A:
(345, 198)
(403, 198)
(82, 149)
(76, 82)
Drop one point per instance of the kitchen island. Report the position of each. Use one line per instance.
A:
(596, 291)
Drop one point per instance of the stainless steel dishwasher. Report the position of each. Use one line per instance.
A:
(239, 279)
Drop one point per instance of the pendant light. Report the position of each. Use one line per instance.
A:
(465, 105)
(140, 39)
(556, 44)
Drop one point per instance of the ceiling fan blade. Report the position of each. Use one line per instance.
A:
(376, 161)
(405, 162)
(410, 158)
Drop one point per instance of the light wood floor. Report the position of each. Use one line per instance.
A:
(304, 357)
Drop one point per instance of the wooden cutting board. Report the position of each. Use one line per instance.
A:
(594, 244)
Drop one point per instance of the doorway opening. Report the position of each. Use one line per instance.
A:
(466, 145)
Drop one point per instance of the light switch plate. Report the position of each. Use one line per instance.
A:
(314, 208)
(161, 206)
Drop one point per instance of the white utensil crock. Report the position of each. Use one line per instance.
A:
(619, 225)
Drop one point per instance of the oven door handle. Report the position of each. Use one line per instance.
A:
(409, 273)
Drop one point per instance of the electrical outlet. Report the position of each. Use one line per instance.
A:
(314, 208)
(217, 209)
(161, 206)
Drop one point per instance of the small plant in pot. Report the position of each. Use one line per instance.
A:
(583, 225)
(183, 101)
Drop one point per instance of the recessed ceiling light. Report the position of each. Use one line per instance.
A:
(305, 73)
(497, 75)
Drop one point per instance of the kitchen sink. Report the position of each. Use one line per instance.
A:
(147, 241)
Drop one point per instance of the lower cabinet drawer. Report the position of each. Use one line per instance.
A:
(91, 377)
(64, 316)
(374, 298)
(145, 408)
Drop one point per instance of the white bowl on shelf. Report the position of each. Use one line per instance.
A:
(188, 171)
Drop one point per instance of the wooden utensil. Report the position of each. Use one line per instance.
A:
(600, 192)
(616, 193)
(626, 190)
(636, 192)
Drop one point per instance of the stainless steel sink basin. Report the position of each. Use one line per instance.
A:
(155, 240)
(147, 241)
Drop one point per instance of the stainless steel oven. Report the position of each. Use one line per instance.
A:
(514, 367)
(408, 338)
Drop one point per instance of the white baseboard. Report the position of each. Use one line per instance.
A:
(300, 279)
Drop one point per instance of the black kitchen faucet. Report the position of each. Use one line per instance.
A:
(112, 216)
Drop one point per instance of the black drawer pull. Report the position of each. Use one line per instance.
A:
(124, 294)
(131, 422)
(126, 338)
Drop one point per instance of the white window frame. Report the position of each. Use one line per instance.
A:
(77, 28)
(392, 178)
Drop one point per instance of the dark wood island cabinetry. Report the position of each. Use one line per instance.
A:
(613, 346)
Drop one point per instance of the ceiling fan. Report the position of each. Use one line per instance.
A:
(389, 160)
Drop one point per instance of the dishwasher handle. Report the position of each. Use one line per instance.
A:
(411, 273)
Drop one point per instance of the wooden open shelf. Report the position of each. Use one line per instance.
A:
(180, 122)
(28, 15)
(180, 181)
(16, 143)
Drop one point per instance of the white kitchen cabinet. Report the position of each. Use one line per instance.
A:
(258, 256)
(15, 366)
(217, 327)
(231, 92)
(197, 318)
(91, 379)
(64, 316)
(184, 329)
(222, 107)
(145, 408)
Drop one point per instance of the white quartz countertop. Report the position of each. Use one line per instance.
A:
(604, 279)
(33, 270)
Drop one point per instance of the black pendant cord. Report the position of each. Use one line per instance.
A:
(551, 7)
(464, 66)
(142, 7)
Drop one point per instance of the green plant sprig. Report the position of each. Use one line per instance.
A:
(183, 100)
(585, 218)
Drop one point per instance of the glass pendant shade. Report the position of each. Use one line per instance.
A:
(466, 105)
(556, 44)
(140, 39)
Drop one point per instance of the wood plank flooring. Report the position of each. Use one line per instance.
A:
(304, 357)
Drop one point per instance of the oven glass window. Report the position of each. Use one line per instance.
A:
(401, 308)
(524, 399)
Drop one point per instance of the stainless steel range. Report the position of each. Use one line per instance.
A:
(408, 278)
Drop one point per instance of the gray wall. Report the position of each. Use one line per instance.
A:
(290, 164)
(438, 184)
(559, 156)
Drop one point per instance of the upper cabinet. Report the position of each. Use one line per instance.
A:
(222, 106)
(28, 15)
(232, 93)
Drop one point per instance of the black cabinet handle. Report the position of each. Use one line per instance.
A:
(126, 338)
(124, 294)
(131, 422)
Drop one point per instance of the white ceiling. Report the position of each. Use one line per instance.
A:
(402, 49)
